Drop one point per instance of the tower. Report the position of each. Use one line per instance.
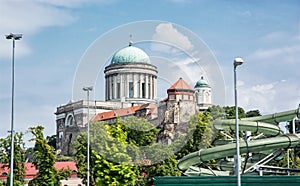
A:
(203, 94)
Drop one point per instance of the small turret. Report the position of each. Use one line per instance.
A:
(203, 94)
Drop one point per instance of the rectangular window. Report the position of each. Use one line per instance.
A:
(143, 90)
(185, 97)
(118, 90)
(148, 90)
(171, 97)
(112, 90)
(131, 89)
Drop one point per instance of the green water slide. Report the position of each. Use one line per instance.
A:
(263, 124)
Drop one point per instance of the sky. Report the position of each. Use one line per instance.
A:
(58, 36)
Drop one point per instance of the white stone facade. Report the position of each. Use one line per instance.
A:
(131, 82)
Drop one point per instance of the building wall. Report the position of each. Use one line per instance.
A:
(135, 82)
(71, 120)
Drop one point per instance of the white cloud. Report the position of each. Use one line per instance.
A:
(277, 35)
(20, 50)
(168, 34)
(28, 17)
(270, 97)
(265, 88)
(31, 16)
(275, 52)
(240, 83)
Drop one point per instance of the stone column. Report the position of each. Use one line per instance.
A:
(115, 87)
(151, 86)
(126, 85)
(135, 85)
(140, 84)
(110, 88)
(121, 86)
(154, 88)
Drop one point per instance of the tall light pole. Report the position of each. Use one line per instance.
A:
(88, 89)
(14, 37)
(237, 62)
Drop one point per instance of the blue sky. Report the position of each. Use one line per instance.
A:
(57, 33)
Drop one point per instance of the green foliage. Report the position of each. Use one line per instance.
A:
(166, 167)
(52, 141)
(253, 113)
(64, 158)
(44, 159)
(109, 162)
(19, 157)
(284, 161)
(216, 112)
(139, 131)
(230, 112)
(200, 126)
(114, 147)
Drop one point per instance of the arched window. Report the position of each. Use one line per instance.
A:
(70, 120)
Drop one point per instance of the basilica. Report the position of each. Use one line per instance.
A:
(131, 90)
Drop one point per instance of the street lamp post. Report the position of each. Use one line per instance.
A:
(88, 89)
(237, 62)
(14, 37)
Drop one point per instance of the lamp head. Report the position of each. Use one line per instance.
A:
(87, 88)
(14, 36)
(238, 61)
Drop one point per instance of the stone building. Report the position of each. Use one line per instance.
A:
(179, 106)
(131, 89)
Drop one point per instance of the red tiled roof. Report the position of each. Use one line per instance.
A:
(116, 113)
(65, 165)
(31, 171)
(180, 85)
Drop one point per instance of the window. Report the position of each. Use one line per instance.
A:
(70, 120)
(112, 90)
(185, 97)
(148, 90)
(143, 90)
(118, 90)
(179, 97)
(131, 89)
(171, 97)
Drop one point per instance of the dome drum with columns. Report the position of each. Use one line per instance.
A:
(130, 77)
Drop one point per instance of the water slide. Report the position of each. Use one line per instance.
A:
(266, 124)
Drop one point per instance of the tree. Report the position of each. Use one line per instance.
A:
(216, 112)
(44, 160)
(230, 112)
(19, 157)
(109, 161)
(200, 125)
(253, 113)
(167, 167)
(139, 131)
(52, 141)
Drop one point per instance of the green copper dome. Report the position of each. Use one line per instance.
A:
(201, 83)
(130, 54)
